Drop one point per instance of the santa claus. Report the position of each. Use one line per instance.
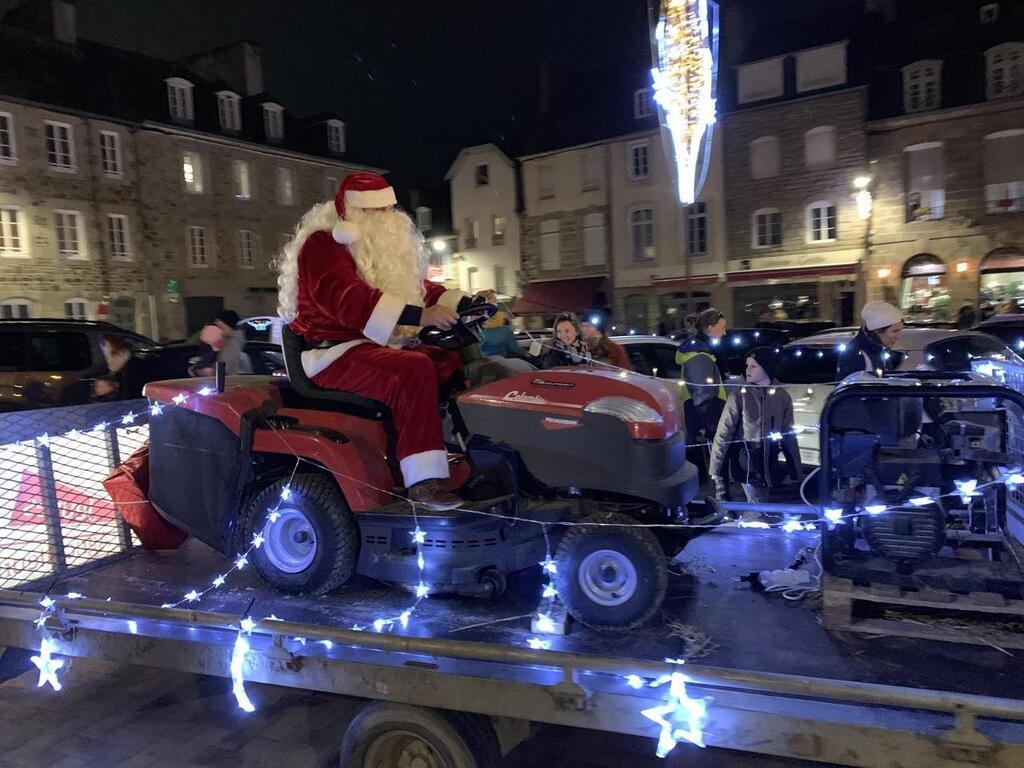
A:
(354, 277)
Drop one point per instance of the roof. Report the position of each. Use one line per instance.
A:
(477, 149)
(911, 338)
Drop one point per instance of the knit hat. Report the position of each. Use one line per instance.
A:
(767, 358)
(879, 314)
(229, 317)
(360, 190)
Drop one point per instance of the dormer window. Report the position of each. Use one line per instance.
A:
(229, 111)
(922, 85)
(336, 136)
(1004, 70)
(642, 103)
(179, 99)
(273, 121)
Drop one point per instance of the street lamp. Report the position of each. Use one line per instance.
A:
(439, 244)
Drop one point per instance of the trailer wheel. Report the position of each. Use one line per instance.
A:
(310, 547)
(610, 577)
(385, 734)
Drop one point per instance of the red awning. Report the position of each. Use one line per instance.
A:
(554, 296)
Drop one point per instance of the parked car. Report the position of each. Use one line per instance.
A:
(796, 329)
(262, 328)
(737, 342)
(1009, 328)
(809, 367)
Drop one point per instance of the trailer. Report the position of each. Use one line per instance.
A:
(464, 679)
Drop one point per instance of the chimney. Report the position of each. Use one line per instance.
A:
(47, 18)
(240, 65)
(64, 26)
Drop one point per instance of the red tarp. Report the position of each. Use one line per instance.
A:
(554, 296)
(128, 486)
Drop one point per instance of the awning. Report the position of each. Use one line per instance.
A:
(554, 296)
(774, 274)
(1004, 259)
(683, 282)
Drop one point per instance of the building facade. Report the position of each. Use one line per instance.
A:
(153, 194)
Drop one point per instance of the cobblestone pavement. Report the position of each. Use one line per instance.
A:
(111, 716)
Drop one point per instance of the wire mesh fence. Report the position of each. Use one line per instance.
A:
(55, 514)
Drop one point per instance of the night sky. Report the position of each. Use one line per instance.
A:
(413, 81)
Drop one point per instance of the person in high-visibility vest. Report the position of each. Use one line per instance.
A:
(702, 388)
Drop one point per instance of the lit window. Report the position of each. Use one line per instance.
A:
(1004, 67)
(60, 146)
(926, 185)
(248, 248)
(12, 240)
(7, 147)
(639, 167)
(336, 136)
(76, 309)
(767, 228)
(117, 237)
(69, 228)
(273, 121)
(922, 85)
(697, 229)
(642, 103)
(15, 309)
(641, 228)
(764, 157)
(110, 153)
(1004, 171)
(198, 253)
(499, 231)
(820, 147)
(243, 181)
(192, 172)
(179, 99)
(821, 222)
(229, 111)
(285, 187)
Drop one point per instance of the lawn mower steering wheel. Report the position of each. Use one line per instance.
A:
(463, 333)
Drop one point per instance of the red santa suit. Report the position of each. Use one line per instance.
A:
(368, 354)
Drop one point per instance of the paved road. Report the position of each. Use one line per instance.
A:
(112, 716)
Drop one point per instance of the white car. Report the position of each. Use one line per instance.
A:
(808, 368)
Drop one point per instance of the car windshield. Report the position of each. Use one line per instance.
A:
(956, 354)
(807, 365)
(731, 352)
(1011, 333)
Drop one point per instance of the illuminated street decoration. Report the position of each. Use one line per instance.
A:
(684, 87)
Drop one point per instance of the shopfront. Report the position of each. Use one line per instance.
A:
(924, 288)
(1002, 279)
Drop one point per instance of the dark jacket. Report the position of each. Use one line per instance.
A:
(864, 354)
(558, 356)
(700, 374)
(500, 341)
(751, 415)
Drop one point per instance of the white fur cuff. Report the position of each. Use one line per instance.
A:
(345, 232)
(383, 319)
(451, 298)
(427, 465)
(371, 198)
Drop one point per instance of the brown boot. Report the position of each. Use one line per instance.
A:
(434, 495)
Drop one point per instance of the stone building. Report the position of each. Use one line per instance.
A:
(147, 192)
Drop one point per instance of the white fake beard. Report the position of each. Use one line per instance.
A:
(390, 255)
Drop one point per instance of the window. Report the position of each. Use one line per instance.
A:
(472, 233)
(767, 229)
(285, 187)
(1004, 171)
(76, 309)
(988, 13)
(820, 147)
(69, 225)
(642, 103)
(821, 222)
(499, 280)
(481, 176)
(117, 237)
(590, 170)
(330, 187)
(638, 165)
(192, 172)
(336, 136)
(59, 351)
(499, 230)
(243, 181)
(697, 229)
(595, 243)
(15, 309)
(760, 80)
(764, 157)
(179, 99)
(7, 147)
(228, 111)
(641, 234)
(123, 311)
(248, 248)
(60, 147)
(550, 258)
(273, 121)
(198, 255)
(1004, 69)
(12, 240)
(926, 187)
(922, 85)
(546, 181)
(956, 354)
(821, 67)
(110, 153)
(424, 218)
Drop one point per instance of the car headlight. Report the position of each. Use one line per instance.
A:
(625, 409)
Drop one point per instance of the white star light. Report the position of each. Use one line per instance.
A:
(422, 590)
(47, 665)
(549, 591)
(75, 596)
(44, 439)
(247, 625)
(286, 493)
(241, 562)
(100, 427)
(257, 540)
(753, 524)
(634, 681)
(403, 618)
(875, 508)
(128, 418)
(237, 680)
(545, 624)
(834, 514)
(922, 501)
(775, 436)
(420, 562)
(219, 581)
(47, 602)
(274, 516)
(681, 719)
(206, 391)
(539, 645)
(967, 489)
(548, 566)
(792, 524)
(156, 409)
(418, 536)
(378, 624)
(179, 399)
(192, 596)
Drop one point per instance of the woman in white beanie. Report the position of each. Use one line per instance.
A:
(871, 348)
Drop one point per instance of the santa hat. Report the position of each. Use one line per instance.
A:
(879, 314)
(360, 190)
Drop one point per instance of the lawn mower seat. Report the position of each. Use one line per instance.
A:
(324, 399)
